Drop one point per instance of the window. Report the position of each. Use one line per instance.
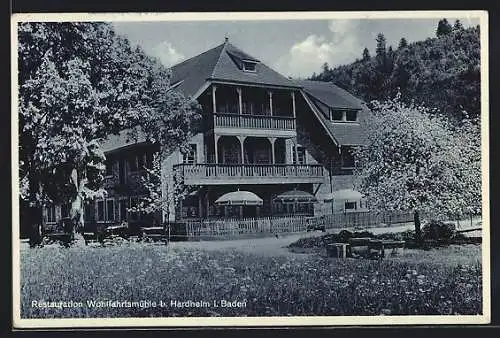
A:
(100, 211)
(350, 205)
(110, 210)
(249, 66)
(302, 208)
(51, 214)
(65, 210)
(88, 209)
(347, 158)
(190, 156)
(301, 153)
(337, 115)
(189, 212)
(351, 116)
(109, 167)
(132, 163)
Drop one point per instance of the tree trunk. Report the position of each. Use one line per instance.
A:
(76, 212)
(418, 232)
(35, 211)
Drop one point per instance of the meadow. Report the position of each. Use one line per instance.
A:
(439, 281)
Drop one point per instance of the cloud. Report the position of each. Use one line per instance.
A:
(338, 47)
(167, 54)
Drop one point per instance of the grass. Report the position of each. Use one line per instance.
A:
(439, 281)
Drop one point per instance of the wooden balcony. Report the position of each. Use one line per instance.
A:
(214, 174)
(255, 124)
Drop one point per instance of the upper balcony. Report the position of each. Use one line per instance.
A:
(279, 124)
(217, 174)
(252, 111)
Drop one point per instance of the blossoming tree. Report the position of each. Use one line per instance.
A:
(79, 83)
(415, 159)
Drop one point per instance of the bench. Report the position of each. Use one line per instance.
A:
(98, 233)
(59, 236)
(120, 230)
(155, 233)
(394, 245)
(90, 236)
(376, 246)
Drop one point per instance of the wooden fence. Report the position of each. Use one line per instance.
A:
(234, 228)
(362, 219)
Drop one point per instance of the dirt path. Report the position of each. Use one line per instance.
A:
(272, 246)
(267, 246)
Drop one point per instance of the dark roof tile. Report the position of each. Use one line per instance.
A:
(345, 133)
(195, 71)
(219, 64)
(330, 94)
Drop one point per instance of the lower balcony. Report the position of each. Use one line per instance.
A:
(215, 174)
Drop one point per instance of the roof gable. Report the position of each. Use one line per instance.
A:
(223, 63)
(330, 95)
(229, 70)
(195, 71)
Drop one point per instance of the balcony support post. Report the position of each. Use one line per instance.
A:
(240, 105)
(207, 203)
(296, 144)
(200, 205)
(240, 101)
(214, 103)
(270, 102)
(216, 143)
(293, 105)
(273, 155)
(242, 147)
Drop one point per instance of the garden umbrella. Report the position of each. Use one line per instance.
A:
(297, 196)
(239, 198)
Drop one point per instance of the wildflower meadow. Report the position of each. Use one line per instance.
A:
(448, 282)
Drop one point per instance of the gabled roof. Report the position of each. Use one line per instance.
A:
(124, 138)
(223, 63)
(325, 95)
(194, 72)
(330, 94)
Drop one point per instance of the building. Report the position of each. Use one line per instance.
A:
(261, 132)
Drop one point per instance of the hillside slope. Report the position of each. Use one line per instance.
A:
(441, 72)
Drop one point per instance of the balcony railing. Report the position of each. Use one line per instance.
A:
(193, 173)
(254, 121)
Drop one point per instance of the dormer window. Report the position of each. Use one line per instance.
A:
(343, 115)
(337, 115)
(249, 66)
(351, 116)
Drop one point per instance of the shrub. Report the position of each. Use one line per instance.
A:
(438, 230)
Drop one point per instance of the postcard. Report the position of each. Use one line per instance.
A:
(250, 169)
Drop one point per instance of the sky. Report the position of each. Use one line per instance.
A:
(295, 48)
